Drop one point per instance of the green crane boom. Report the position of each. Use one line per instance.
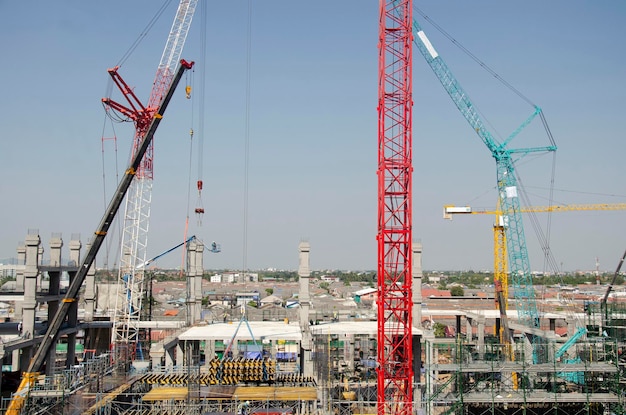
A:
(519, 265)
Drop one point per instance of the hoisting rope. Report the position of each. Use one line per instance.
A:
(199, 209)
(544, 239)
(247, 142)
(103, 139)
(199, 183)
(188, 90)
(144, 33)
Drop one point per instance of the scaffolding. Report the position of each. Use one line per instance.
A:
(464, 378)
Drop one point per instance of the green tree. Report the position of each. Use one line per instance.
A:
(457, 291)
(269, 291)
(439, 330)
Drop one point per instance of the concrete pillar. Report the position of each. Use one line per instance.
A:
(234, 349)
(56, 243)
(169, 357)
(481, 335)
(209, 351)
(90, 290)
(72, 315)
(416, 286)
(349, 351)
(198, 281)
(180, 355)
(304, 274)
(468, 328)
(571, 326)
(31, 270)
(191, 281)
(39, 261)
(54, 281)
(19, 279)
(552, 322)
(19, 287)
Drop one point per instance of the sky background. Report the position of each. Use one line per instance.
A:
(312, 128)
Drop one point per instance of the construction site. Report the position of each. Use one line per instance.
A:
(72, 344)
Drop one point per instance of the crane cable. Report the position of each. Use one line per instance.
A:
(103, 139)
(188, 89)
(474, 57)
(143, 33)
(203, 40)
(247, 141)
(199, 210)
(544, 239)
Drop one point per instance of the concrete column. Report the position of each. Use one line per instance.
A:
(169, 357)
(209, 351)
(72, 315)
(349, 351)
(39, 261)
(19, 287)
(304, 274)
(198, 281)
(552, 322)
(234, 349)
(468, 328)
(481, 335)
(19, 279)
(416, 287)
(191, 281)
(56, 243)
(31, 270)
(54, 281)
(90, 289)
(180, 354)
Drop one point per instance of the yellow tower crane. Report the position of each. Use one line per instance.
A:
(499, 239)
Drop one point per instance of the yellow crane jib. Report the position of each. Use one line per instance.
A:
(450, 210)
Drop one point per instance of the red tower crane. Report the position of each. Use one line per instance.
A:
(394, 238)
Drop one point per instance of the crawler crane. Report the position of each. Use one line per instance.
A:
(131, 284)
(50, 338)
(506, 178)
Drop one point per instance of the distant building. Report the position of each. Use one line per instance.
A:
(217, 278)
(245, 298)
(366, 297)
(237, 277)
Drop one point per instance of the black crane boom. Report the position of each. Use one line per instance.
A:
(109, 215)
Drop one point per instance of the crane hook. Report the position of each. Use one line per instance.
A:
(188, 91)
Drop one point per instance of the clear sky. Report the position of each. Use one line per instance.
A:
(312, 127)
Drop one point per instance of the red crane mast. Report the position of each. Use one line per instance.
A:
(394, 238)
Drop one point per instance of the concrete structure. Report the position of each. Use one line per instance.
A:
(304, 274)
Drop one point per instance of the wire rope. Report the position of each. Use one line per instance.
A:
(184, 248)
(474, 57)
(109, 241)
(247, 141)
(201, 108)
(143, 33)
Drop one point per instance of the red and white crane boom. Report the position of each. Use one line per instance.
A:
(131, 281)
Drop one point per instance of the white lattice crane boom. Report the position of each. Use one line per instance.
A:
(131, 284)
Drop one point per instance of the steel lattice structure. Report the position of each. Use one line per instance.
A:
(131, 285)
(394, 238)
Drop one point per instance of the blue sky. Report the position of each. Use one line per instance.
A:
(312, 130)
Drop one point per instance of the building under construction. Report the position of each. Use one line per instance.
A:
(296, 365)
(73, 359)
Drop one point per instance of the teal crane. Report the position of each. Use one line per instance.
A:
(520, 276)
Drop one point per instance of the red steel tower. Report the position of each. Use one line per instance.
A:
(394, 238)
